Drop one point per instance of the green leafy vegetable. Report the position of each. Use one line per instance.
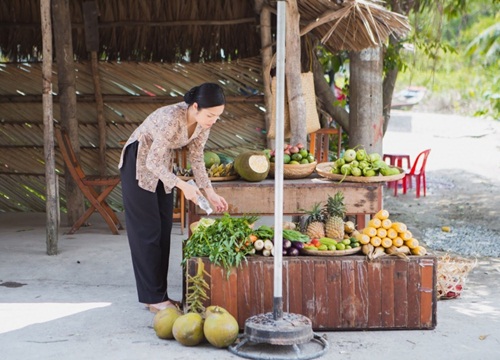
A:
(294, 235)
(225, 242)
(264, 232)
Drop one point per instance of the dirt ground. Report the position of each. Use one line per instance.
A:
(463, 179)
(454, 199)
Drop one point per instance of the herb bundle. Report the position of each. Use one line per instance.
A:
(225, 242)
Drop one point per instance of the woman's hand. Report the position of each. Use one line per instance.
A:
(218, 202)
(191, 192)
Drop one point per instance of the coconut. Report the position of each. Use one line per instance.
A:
(220, 327)
(252, 165)
(163, 322)
(188, 329)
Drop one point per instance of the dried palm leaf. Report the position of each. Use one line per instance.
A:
(357, 24)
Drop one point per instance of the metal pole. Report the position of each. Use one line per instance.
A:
(278, 175)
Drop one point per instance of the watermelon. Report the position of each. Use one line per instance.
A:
(210, 158)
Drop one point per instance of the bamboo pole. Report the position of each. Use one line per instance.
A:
(267, 54)
(296, 101)
(90, 15)
(48, 138)
(101, 122)
(67, 92)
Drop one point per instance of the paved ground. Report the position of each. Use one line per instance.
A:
(81, 304)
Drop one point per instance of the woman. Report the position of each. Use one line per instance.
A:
(146, 168)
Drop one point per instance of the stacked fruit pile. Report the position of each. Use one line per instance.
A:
(327, 229)
(191, 328)
(221, 170)
(294, 155)
(360, 163)
(383, 236)
(217, 165)
(327, 221)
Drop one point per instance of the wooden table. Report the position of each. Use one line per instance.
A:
(246, 197)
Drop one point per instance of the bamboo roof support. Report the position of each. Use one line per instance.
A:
(267, 55)
(50, 172)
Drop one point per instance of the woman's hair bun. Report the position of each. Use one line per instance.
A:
(190, 96)
(205, 95)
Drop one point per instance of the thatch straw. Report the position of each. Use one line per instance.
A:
(196, 31)
(356, 25)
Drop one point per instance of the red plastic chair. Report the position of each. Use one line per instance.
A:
(417, 171)
(397, 160)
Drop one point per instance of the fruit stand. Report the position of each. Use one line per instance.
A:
(347, 266)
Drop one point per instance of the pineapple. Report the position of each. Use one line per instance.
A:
(315, 223)
(335, 209)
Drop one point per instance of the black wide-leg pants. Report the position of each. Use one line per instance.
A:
(148, 219)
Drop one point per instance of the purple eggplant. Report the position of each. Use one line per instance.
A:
(293, 251)
(287, 244)
(298, 245)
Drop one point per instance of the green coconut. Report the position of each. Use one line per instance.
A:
(188, 329)
(252, 165)
(220, 328)
(163, 322)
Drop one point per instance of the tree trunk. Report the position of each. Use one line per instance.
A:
(51, 204)
(366, 121)
(327, 97)
(67, 94)
(296, 101)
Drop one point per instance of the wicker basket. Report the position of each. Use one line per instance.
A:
(451, 276)
(295, 171)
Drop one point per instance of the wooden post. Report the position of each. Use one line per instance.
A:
(267, 54)
(293, 70)
(67, 95)
(48, 131)
(92, 42)
(366, 121)
(101, 122)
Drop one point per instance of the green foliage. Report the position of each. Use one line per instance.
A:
(453, 51)
(223, 242)
(392, 58)
(456, 57)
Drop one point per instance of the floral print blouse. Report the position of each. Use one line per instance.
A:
(159, 136)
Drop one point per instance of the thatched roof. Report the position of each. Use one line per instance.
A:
(143, 46)
(190, 30)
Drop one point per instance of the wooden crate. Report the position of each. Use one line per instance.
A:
(336, 293)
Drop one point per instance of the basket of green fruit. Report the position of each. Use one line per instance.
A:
(298, 162)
